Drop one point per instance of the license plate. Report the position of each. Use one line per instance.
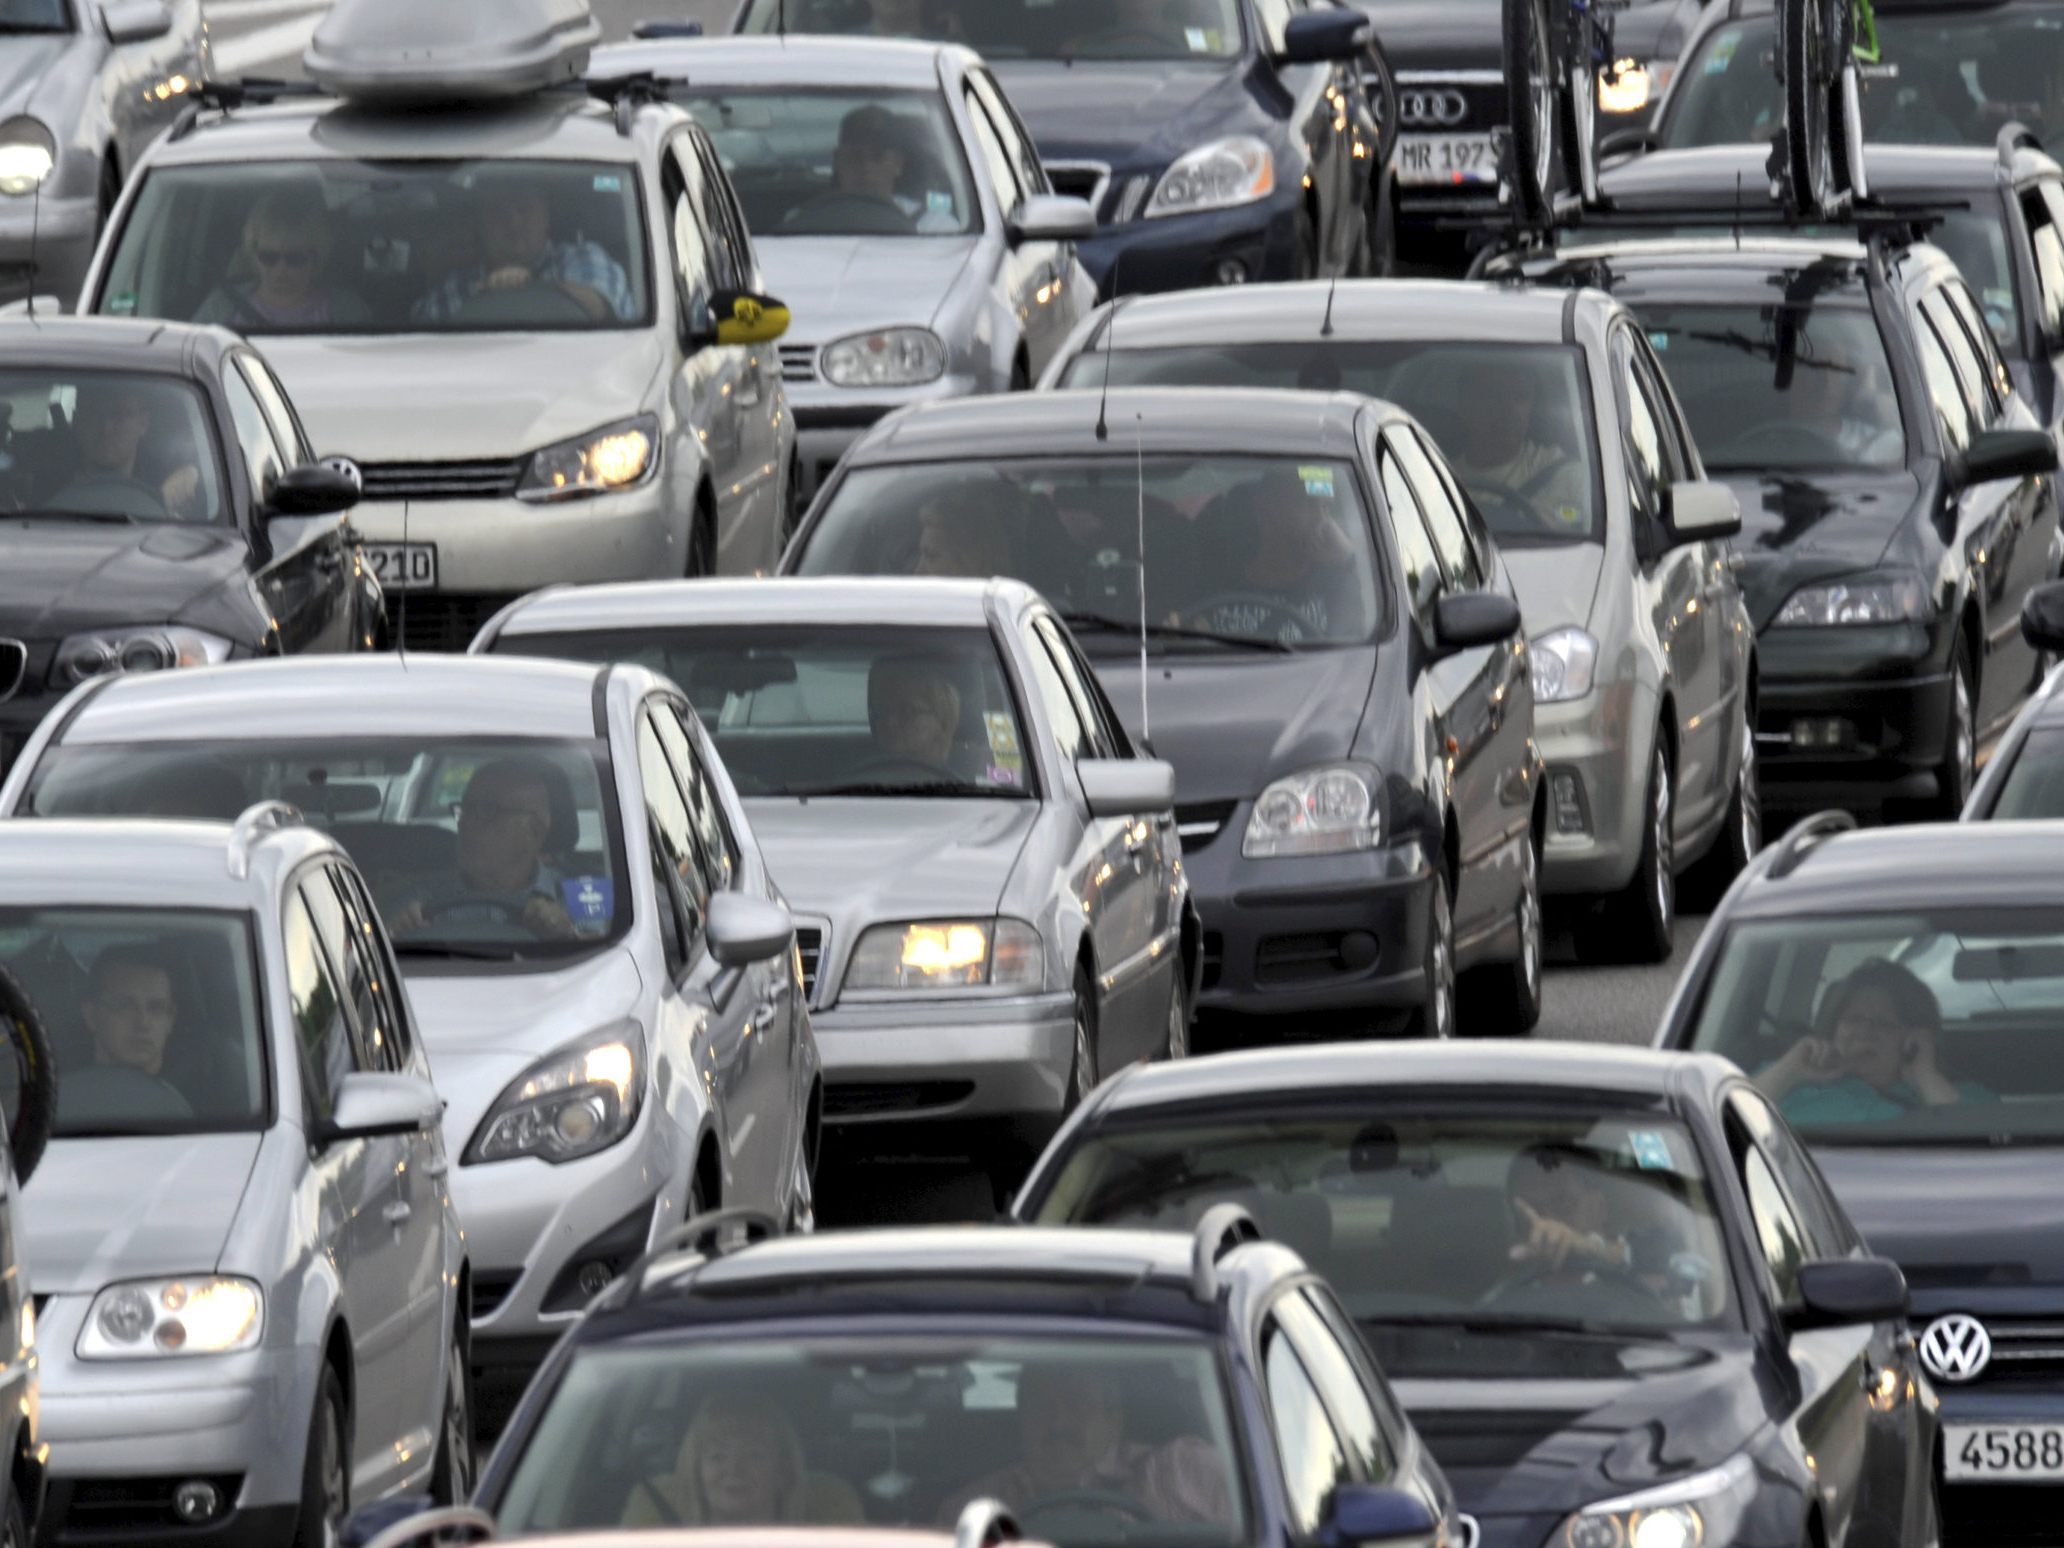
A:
(402, 566)
(1447, 160)
(1986, 1452)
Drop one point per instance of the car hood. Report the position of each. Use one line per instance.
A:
(61, 576)
(1796, 530)
(1232, 723)
(470, 396)
(25, 60)
(1438, 34)
(99, 1210)
(1128, 114)
(1528, 1422)
(1556, 585)
(862, 860)
(840, 285)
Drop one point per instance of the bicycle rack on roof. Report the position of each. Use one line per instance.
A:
(1222, 1228)
(984, 1523)
(256, 822)
(1804, 837)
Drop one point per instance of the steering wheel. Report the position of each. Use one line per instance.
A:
(110, 494)
(916, 770)
(1502, 501)
(513, 912)
(1537, 1275)
(1083, 1499)
(1277, 622)
(522, 306)
(1786, 443)
(850, 212)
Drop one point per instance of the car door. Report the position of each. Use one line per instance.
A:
(1027, 266)
(299, 560)
(1312, 1457)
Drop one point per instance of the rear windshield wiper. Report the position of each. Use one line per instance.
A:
(1166, 631)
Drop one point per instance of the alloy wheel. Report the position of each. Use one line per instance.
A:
(334, 1491)
(1085, 1052)
(1749, 799)
(1440, 964)
(1665, 879)
(1530, 920)
(1178, 1022)
(1963, 737)
(458, 1423)
(802, 1198)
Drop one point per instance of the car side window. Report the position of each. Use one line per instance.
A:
(1945, 393)
(1017, 143)
(680, 853)
(322, 1036)
(367, 983)
(710, 824)
(1978, 398)
(1648, 468)
(279, 414)
(1340, 1381)
(1423, 578)
(1003, 175)
(264, 458)
(1096, 729)
(681, 185)
(669, 908)
(2044, 207)
(1999, 385)
(1779, 1236)
(730, 260)
(1827, 1233)
(1443, 515)
(1314, 1460)
(1068, 733)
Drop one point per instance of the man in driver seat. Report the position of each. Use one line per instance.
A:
(129, 1009)
(110, 421)
(499, 876)
(518, 252)
(1493, 444)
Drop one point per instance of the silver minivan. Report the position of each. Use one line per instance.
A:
(248, 1275)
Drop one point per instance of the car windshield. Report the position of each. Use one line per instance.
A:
(840, 710)
(1513, 419)
(2034, 783)
(35, 16)
(1258, 552)
(1414, 1215)
(108, 446)
(153, 1014)
(496, 851)
(839, 163)
(1949, 77)
(1781, 387)
(1917, 1027)
(1024, 29)
(1093, 1443)
(384, 247)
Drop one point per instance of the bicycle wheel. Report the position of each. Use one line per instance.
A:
(1580, 127)
(28, 1077)
(1807, 170)
(1845, 107)
(1533, 85)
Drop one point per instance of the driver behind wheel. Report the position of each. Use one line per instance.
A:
(130, 1013)
(874, 155)
(518, 252)
(913, 710)
(1851, 401)
(499, 871)
(1497, 441)
(110, 421)
(1295, 576)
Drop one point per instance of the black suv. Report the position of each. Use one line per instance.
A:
(159, 507)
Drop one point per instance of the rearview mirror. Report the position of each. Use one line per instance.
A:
(1844, 1292)
(647, 31)
(372, 1104)
(1700, 510)
(2007, 454)
(1319, 37)
(1471, 618)
(1053, 218)
(1369, 1514)
(745, 318)
(742, 930)
(136, 21)
(311, 490)
(1126, 787)
(2042, 617)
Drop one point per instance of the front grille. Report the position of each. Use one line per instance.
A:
(1293, 959)
(809, 941)
(2025, 1351)
(874, 1101)
(490, 1290)
(1080, 180)
(492, 480)
(1200, 821)
(1452, 102)
(799, 362)
(438, 620)
(14, 662)
(83, 1509)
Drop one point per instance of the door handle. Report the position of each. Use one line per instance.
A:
(397, 1213)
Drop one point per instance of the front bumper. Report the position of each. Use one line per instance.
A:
(1596, 793)
(1850, 717)
(1185, 252)
(1992, 1512)
(514, 546)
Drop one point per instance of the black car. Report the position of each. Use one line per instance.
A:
(1201, 1390)
(1219, 141)
(1288, 596)
(159, 507)
(1897, 994)
(1897, 503)
(1614, 1293)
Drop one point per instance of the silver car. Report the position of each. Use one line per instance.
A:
(606, 976)
(919, 261)
(85, 86)
(539, 328)
(249, 1278)
(987, 878)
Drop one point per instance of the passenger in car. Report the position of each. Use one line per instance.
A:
(740, 1464)
(279, 283)
(913, 710)
(959, 541)
(1875, 1057)
(110, 420)
(500, 874)
(518, 252)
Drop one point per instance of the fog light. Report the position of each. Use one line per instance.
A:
(1823, 735)
(1229, 271)
(594, 1277)
(196, 1501)
(1357, 950)
(1566, 793)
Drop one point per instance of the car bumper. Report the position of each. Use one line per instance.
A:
(1184, 252)
(829, 419)
(1994, 1512)
(46, 252)
(1850, 717)
(514, 546)
(19, 717)
(1595, 796)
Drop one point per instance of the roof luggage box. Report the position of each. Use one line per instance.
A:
(455, 51)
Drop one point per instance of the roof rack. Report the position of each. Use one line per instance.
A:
(627, 93)
(448, 1527)
(225, 97)
(1223, 1227)
(984, 1523)
(715, 1233)
(1804, 837)
(2016, 136)
(256, 822)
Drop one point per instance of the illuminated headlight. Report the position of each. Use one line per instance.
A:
(894, 357)
(1323, 811)
(1889, 599)
(154, 648)
(1702, 1509)
(28, 153)
(1563, 662)
(148, 1319)
(614, 457)
(1634, 85)
(1218, 176)
(572, 1103)
(948, 954)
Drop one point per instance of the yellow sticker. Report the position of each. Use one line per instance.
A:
(1003, 737)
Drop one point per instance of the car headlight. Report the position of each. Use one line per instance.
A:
(28, 154)
(1218, 176)
(948, 954)
(151, 648)
(614, 457)
(1887, 599)
(890, 357)
(571, 1103)
(1704, 1508)
(1324, 811)
(149, 1319)
(1562, 662)
(1635, 84)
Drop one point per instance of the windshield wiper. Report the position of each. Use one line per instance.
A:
(1467, 1322)
(117, 518)
(1164, 631)
(916, 787)
(463, 951)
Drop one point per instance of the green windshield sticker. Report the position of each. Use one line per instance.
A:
(1723, 53)
(1318, 480)
(122, 304)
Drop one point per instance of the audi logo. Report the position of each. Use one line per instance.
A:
(1423, 109)
(1956, 1347)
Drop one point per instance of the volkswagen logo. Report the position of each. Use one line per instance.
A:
(348, 468)
(1956, 1347)
(1431, 108)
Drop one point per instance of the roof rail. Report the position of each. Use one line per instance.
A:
(1224, 1227)
(984, 1523)
(2016, 136)
(651, 29)
(714, 1234)
(256, 822)
(627, 93)
(1804, 837)
(447, 1527)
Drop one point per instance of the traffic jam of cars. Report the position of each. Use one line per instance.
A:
(868, 774)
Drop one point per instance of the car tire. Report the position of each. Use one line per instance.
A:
(1307, 258)
(1435, 1017)
(1637, 924)
(1513, 1001)
(1082, 1068)
(792, 506)
(1177, 1044)
(34, 1076)
(1958, 770)
(14, 1531)
(1741, 835)
(452, 1474)
(802, 1198)
(702, 542)
(326, 1468)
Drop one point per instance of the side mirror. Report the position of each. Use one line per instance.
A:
(1701, 510)
(1369, 1514)
(370, 1105)
(1053, 218)
(136, 21)
(1471, 618)
(1126, 787)
(311, 490)
(2042, 617)
(648, 31)
(1626, 141)
(1843, 1292)
(743, 930)
(745, 318)
(1320, 37)
(2007, 454)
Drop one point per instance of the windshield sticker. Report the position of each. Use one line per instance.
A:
(1659, 342)
(451, 785)
(1317, 480)
(1723, 53)
(1202, 40)
(1651, 1151)
(122, 303)
(608, 182)
(1570, 516)
(590, 901)
(938, 201)
(999, 774)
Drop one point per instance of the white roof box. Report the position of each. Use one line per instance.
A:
(427, 51)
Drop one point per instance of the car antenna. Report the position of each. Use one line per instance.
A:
(1139, 478)
(781, 21)
(1110, 337)
(35, 225)
(1326, 327)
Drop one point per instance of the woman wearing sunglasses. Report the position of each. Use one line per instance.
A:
(277, 280)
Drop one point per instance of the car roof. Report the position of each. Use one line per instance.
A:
(1718, 270)
(332, 696)
(900, 600)
(1967, 865)
(1709, 175)
(798, 61)
(1460, 310)
(189, 865)
(131, 343)
(563, 124)
(1182, 419)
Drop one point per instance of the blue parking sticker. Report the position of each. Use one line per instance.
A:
(608, 182)
(590, 900)
(1651, 1150)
